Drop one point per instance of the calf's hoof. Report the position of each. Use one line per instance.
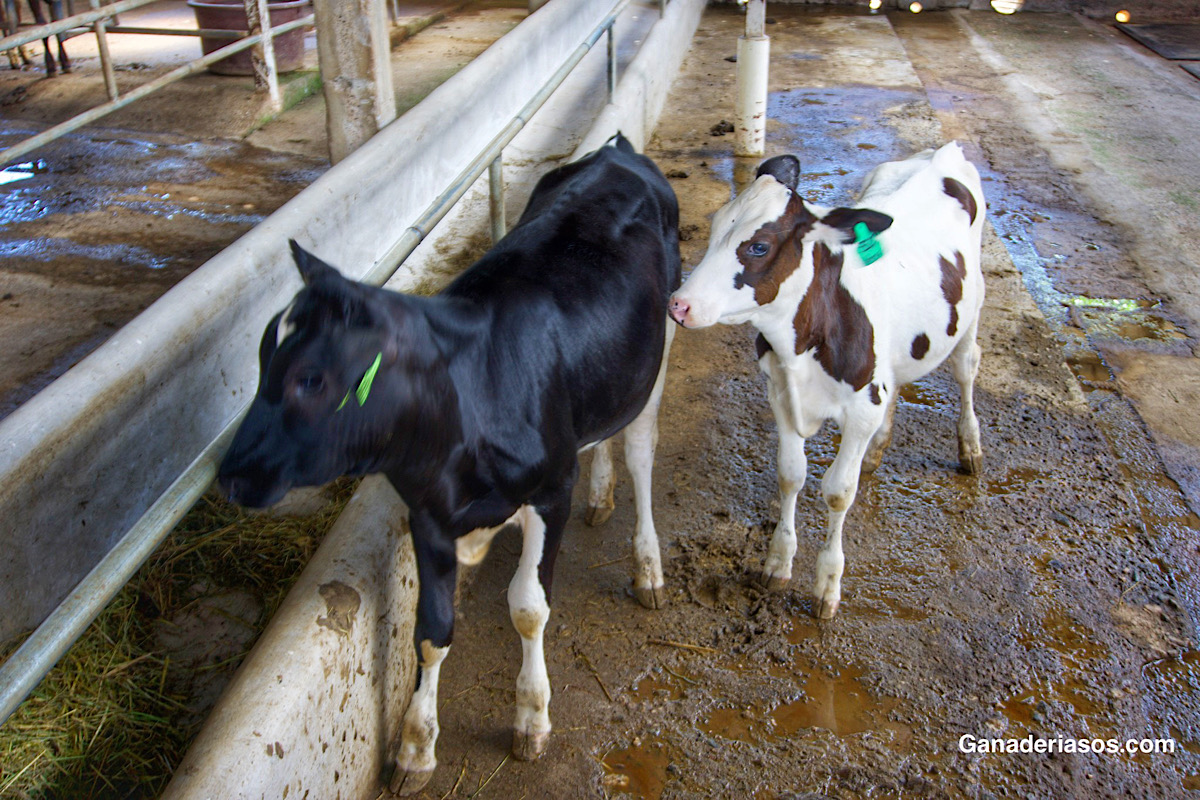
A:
(773, 583)
(529, 746)
(825, 608)
(598, 515)
(405, 782)
(653, 598)
(970, 463)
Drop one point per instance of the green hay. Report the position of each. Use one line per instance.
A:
(109, 721)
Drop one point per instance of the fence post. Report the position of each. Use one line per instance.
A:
(753, 54)
(354, 50)
(262, 55)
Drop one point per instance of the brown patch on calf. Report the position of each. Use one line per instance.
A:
(920, 346)
(785, 236)
(875, 398)
(953, 276)
(832, 322)
(963, 195)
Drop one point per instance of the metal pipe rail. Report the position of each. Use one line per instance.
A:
(25, 669)
(25, 146)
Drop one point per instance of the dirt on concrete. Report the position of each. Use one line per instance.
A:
(1051, 596)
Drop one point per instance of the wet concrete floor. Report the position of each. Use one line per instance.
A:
(1052, 596)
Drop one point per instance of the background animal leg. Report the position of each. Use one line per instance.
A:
(792, 470)
(964, 361)
(641, 439)
(882, 438)
(600, 488)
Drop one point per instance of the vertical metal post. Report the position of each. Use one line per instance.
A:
(612, 62)
(754, 54)
(110, 75)
(263, 55)
(496, 197)
(662, 8)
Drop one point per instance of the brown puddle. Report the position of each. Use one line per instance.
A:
(916, 395)
(639, 770)
(656, 687)
(1080, 655)
(1014, 482)
(1181, 675)
(735, 724)
(839, 704)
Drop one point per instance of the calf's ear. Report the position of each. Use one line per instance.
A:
(785, 169)
(844, 219)
(311, 268)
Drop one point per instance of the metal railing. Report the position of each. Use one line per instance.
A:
(96, 19)
(25, 669)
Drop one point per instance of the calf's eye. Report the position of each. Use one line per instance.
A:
(309, 385)
(758, 249)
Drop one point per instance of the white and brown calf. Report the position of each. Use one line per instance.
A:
(841, 331)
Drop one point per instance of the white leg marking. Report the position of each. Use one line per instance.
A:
(472, 548)
(529, 611)
(415, 761)
(838, 487)
(964, 361)
(600, 489)
(792, 470)
(641, 439)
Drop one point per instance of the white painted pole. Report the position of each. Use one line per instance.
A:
(754, 55)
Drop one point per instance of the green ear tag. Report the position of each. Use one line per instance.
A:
(364, 386)
(869, 248)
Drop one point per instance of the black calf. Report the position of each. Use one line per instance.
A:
(475, 402)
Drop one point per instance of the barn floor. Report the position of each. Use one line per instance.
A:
(1055, 594)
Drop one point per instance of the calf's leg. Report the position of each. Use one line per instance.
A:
(529, 609)
(436, 571)
(600, 488)
(641, 439)
(839, 487)
(792, 470)
(882, 438)
(964, 361)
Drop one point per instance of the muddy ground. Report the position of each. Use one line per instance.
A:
(1053, 594)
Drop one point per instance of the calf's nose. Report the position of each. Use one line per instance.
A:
(679, 309)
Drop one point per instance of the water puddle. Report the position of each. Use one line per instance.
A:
(916, 395)
(838, 703)
(1122, 318)
(736, 724)
(657, 687)
(639, 770)
(22, 172)
(1079, 654)
(1015, 481)
(1090, 370)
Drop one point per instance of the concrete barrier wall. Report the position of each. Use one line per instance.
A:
(82, 460)
(317, 704)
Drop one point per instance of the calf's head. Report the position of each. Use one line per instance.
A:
(761, 240)
(336, 378)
